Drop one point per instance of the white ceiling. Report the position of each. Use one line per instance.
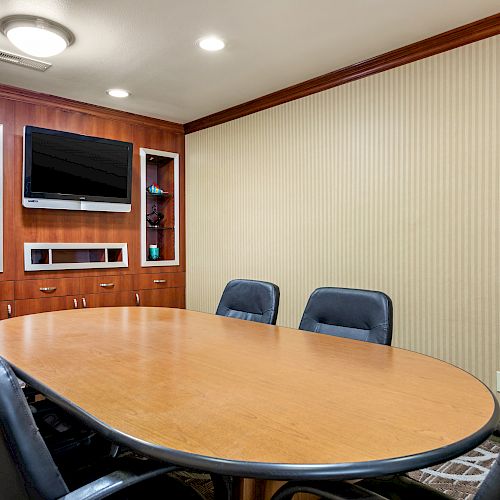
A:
(148, 46)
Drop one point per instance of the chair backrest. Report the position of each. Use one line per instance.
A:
(347, 312)
(490, 488)
(251, 300)
(27, 470)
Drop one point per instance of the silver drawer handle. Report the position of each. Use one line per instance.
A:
(9, 311)
(159, 281)
(84, 302)
(137, 300)
(106, 285)
(75, 303)
(48, 288)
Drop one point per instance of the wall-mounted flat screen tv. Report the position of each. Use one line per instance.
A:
(76, 172)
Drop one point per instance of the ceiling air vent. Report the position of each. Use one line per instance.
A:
(27, 62)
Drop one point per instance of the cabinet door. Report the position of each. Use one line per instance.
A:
(33, 306)
(6, 309)
(167, 297)
(6, 290)
(108, 299)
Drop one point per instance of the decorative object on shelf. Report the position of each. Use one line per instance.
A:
(160, 209)
(155, 189)
(154, 252)
(154, 217)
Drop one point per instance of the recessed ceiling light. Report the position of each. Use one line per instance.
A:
(36, 36)
(211, 43)
(118, 92)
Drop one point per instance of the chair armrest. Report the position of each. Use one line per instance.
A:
(112, 483)
(330, 490)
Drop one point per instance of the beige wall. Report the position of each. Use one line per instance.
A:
(390, 183)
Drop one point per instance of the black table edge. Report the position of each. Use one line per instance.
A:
(277, 471)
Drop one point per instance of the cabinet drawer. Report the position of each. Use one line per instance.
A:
(116, 299)
(171, 297)
(6, 290)
(157, 281)
(43, 288)
(107, 284)
(33, 306)
(6, 309)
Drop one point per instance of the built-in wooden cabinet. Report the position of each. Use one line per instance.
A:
(33, 306)
(6, 290)
(46, 288)
(168, 297)
(52, 294)
(107, 284)
(158, 281)
(64, 259)
(111, 299)
(6, 309)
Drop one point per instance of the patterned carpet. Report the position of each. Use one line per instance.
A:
(459, 478)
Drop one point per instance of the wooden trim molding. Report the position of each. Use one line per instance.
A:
(463, 35)
(39, 98)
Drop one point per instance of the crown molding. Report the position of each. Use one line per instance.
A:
(32, 97)
(463, 35)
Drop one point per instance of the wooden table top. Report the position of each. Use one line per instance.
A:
(248, 399)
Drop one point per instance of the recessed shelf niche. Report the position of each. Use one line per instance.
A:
(59, 256)
(160, 168)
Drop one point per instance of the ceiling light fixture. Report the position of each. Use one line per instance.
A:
(211, 43)
(118, 93)
(36, 36)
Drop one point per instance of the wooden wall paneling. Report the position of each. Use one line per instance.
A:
(66, 225)
(181, 149)
(7, 114)
(17, 94)
(19, 108)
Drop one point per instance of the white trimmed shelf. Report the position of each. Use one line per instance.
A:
(162, 168)
(60, 256)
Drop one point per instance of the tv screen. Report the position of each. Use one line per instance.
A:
(65, 166)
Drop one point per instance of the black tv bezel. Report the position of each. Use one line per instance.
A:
(28, 165)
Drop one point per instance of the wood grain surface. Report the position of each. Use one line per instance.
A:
(244, 391)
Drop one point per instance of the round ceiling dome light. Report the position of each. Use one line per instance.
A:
(36, 36)
(211, 43)
(118, 93)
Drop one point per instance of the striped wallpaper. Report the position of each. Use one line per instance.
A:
(391, 182)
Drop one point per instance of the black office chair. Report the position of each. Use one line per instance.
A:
(386, 488)
(27, 470)
(347, 312)
(251, 300)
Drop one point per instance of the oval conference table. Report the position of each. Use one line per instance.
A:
(246, 399)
